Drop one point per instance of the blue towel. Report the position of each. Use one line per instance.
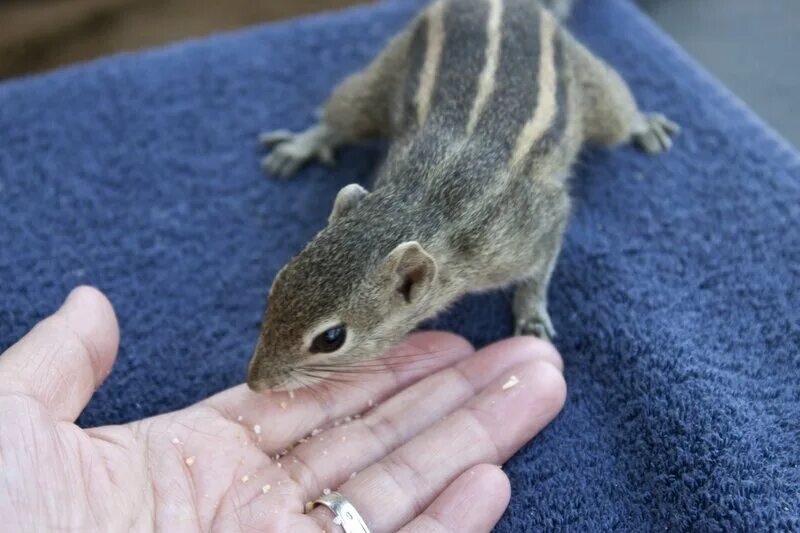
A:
(677, 296)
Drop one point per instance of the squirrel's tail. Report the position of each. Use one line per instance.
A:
(560, 8)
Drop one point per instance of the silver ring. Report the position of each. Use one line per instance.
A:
(346, 514)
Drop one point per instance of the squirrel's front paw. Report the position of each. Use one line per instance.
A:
(290, 151)
(655, 133)
(537, 325)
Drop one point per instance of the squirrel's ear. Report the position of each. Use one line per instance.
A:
(349, 197)
(410, 271)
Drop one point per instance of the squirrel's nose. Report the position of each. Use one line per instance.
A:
(255, 378)
(256, 385)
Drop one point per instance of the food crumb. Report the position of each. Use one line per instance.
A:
(176, 440)
(291, 394)
(326, 491)
(239, 418)
(265, 488)
(309, 506)
(315, 432)
(337, 520)
(348, 419)
(190, 461)
(513, 381)
(257, 429)
(283, 405)
(353, 475)
(370, 403)
(245, 478)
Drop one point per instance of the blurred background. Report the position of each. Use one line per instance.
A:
(749, 44)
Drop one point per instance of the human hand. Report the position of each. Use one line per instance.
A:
(423, 458)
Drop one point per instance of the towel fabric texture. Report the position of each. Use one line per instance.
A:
(676, 298)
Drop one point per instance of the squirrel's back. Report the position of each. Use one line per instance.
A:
(490, 73)
(486, 104)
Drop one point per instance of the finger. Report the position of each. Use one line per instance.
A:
(663, 138)
(648, 143)
(329, 459)
(273, 163)
(63, 360)
(659, 119)
(292, 165)
(279, 161)
(671, 126)
(326, 156)
(273, 137)
(266, 163)
(473, 502)
(488, 429)
(276, 162)
(282, 418)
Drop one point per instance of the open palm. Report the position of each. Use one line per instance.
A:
(436, 420)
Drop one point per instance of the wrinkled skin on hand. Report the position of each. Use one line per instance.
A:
(421, 457)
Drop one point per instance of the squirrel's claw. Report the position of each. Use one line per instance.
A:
(290, 151)
(271, 138)
(326, 156)
(655, 134)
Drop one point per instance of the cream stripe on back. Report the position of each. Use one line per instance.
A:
(486, 83)
(433, 55)
(546, 97)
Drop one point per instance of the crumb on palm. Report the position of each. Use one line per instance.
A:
(513, 381)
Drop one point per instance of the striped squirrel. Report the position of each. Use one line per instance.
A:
(486, 104)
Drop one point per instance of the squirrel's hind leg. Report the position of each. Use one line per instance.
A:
(359, 108)
(609, 110)
(290, 150)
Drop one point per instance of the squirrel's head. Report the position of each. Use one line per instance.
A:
(349, 296)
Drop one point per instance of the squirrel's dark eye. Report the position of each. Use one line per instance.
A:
(329, 340)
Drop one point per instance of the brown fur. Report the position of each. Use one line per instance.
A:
(473, 192)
